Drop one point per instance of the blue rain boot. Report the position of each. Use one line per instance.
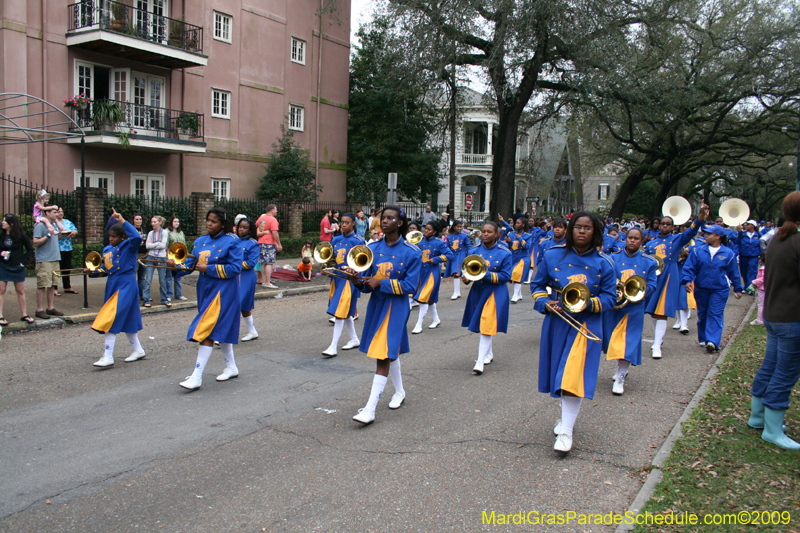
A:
(773, 430)
(756, 413)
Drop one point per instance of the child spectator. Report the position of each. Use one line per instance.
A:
(305, 269)
(758, 284)
(308, 250)
(40, 208)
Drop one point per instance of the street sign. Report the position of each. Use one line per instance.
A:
(468, 202)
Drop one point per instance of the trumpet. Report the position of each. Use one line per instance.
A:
(474, 267)
(414, 237)
(359, 259)
(575, 298)
(630, 291)
(176, 252)
(92, 261)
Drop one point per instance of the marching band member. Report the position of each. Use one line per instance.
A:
(412, 226)
(749, 251)
(393, 275)
(459, 245)
(218, 258)
(434, 252)
(486, 309)
(706, 273)
(568, 361)
(623, 342)
(246, 230)
(558, 232)
(537, 235)
(685, 298)
(343, 295)
(120, 312)
(664, 301)
(519, 243)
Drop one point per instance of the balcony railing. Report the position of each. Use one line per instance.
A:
(140, 23)
(140, 121)
(476, 159)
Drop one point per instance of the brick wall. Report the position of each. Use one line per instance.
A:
(95, 223)
(202, 202)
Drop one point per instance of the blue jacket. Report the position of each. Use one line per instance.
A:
(610, 244)
(748, 246)
(712, 274)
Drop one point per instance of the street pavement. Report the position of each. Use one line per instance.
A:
(126, 449)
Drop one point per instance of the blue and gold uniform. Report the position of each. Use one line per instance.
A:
(520, 256)
(247, 279)
(686, 299)
(459, 245)
(749, 251)
(548, 243)
(218, 304)
(486, 310)
(120, 312)
(536, 237)
(665, 299)
(711, 288)
(434, 253)
(397, 266)
(568, 361)
(343, 297)
(610, 244)
(622, 328)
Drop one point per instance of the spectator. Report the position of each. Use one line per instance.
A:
(444, 223)
(428, 216)
(47, 262)
(139, 269)
(157, 251)
(306, 269)
(12, 263)
(335, 223)
(325, 227)
(175, 283)
(269, 243)
(362, 224)
(66, 231)
(307, 250)
(780, 370)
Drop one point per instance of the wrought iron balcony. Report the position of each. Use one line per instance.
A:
(122, 30)
(141, 126)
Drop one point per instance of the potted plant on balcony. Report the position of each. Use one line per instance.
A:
(77, 102)
(176, 33)
(188, 125)
(107, 114)
(118, 16)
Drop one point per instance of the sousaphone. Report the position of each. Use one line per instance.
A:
(734, 212)
(677, 208)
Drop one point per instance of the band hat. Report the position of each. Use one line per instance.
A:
(719, 230)
(753, 222)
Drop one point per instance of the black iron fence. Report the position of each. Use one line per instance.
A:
(17, 196)
(140, 23)
(137, 120)
(128, 205)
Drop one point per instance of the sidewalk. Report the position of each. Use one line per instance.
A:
(74, 312)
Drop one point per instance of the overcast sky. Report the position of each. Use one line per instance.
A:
(360, 12)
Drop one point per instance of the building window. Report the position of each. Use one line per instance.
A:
(94, 178)
(222, 27)
(298, 51)
(296, 118)
(602, 191)
(221, 188)
(220, 103)
(148, 186)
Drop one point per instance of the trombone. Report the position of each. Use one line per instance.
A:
(177, 252)
(474, 267)
(92, 261)
(659, 263)
(574, 298)
(632, 290)
(359, 259)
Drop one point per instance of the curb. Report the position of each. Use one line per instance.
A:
(82, 318)
(663, 453)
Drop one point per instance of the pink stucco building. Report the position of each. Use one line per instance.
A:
(199, 88)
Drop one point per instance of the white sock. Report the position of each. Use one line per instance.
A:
(351, 328)
(484, 347)
(622, 367)
(378, 383)
(133, 338)
(655, 322)
(688, 314)
(518, 290)
(456, 287)
(530, 275)
(110, 340)
(684, 317)
(397, 379)
(410, 302)
(423, 310)
(570, 405)
(434, 313)
(338, 324)
(660, 329)
(203, 353)
(248, 321)
(227, 353)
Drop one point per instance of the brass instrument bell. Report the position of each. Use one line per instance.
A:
(575, 298)
(323, 253)
(678, 208)
(474, 267)
(177, 252)
(630, 291)
(93, 260)
(414, 237)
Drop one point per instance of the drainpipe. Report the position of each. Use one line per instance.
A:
(319, 96)
(45, 161)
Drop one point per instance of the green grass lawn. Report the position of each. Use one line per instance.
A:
(722, 466)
